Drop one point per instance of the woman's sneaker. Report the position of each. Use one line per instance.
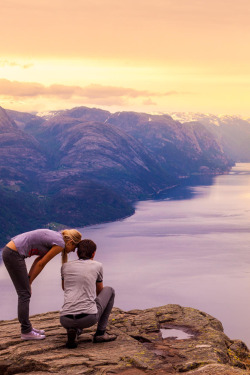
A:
(32, 335)
(40, 331)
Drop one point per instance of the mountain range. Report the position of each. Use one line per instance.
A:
(85, 165)
(232, 132)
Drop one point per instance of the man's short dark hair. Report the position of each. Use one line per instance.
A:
(86, 249)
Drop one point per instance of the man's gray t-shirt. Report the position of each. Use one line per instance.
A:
(37, 242)
(80, 277)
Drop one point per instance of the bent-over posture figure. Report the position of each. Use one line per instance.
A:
(86, 301)
(45, 244)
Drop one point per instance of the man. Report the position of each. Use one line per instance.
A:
(86, 301)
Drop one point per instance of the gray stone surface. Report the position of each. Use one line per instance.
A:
(139, 348)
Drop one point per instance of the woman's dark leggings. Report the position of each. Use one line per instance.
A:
(16, 267)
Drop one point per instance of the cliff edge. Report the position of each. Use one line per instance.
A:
(140, 347)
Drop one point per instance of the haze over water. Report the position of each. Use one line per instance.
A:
(190, 248)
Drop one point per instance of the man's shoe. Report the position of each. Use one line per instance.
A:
(104, 338)
(32, 335)
(40, 331)
(79, 332)
(71, 344)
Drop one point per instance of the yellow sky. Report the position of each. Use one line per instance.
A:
(141, 55)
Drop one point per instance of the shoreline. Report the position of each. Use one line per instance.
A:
(152, 196)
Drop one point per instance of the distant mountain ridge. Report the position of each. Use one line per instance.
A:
(232, 132)
(84, 165)
(20, 155)
(180, 149)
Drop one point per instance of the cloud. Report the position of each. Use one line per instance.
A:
(149, 101)
(22, 90)
(4, 63)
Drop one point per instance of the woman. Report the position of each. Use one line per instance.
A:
(46, 244)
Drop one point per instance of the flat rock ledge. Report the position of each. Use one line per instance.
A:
(140, 347)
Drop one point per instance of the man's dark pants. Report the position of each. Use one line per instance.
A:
(104, 304)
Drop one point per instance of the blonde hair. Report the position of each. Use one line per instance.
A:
(70, 235)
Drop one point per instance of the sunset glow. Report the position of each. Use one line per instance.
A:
(141, 55)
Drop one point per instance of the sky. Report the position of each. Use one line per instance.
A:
(150, 56)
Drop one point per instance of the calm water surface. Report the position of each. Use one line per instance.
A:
(190, 248)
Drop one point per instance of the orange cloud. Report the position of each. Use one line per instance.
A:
(16, 89)
(149, 101)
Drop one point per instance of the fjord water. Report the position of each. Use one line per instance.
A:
(191, 247)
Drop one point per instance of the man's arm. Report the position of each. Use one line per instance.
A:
(99, 287)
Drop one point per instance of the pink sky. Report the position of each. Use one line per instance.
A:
(161, 55)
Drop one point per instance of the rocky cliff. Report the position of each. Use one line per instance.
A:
(141, 346)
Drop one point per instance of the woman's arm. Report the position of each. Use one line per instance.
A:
(33, 265)
(41, 262)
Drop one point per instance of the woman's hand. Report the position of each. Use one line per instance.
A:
(30, 284)
(32, 267)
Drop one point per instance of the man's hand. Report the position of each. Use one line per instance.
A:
(99, 287)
